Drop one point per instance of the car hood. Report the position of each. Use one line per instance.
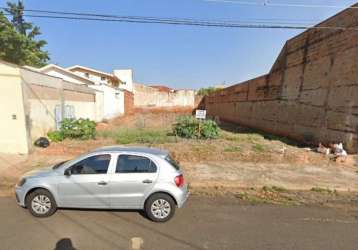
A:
(41, 172)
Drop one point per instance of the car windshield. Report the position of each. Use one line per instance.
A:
(172, 162)
(59, 164)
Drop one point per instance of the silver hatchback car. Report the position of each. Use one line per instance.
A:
(107, 178)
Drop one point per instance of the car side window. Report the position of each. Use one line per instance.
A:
(135, 164)
(97, 164)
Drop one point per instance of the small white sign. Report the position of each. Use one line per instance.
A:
(200, 114)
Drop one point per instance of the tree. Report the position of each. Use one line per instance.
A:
(17, 39)
(207, 91)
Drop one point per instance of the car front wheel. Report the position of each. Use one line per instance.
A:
(41, 203)
(160, 207)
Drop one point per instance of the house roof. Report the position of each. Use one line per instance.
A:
(65, 71)
(162, 88)
(98, 72)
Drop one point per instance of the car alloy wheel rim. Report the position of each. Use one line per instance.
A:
(160, 208)
(41, 204)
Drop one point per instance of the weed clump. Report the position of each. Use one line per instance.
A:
(190, 127)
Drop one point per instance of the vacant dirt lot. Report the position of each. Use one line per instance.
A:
(241, 162)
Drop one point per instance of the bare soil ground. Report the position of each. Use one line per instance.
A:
(243, 163)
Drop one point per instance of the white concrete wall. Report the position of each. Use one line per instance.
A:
(42, 117)
(99, 106)
(126, 76)
(42, 114)
(113, 101)
(145, 96)
(45, 92)
(13, 133)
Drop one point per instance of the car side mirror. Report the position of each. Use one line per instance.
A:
(67, 172)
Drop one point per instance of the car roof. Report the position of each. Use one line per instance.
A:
(145, 150)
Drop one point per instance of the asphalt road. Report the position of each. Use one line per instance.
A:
(204, 223)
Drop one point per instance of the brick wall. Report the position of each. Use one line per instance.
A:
(128, 102)
(311, 92)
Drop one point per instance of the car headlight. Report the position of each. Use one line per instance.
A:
(21, 182)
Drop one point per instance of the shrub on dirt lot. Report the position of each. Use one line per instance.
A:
(83, 129)
(190, 127)
(55, 136)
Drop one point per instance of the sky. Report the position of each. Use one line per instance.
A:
(176, 56)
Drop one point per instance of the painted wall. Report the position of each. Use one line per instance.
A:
(13, 133)
(145, 96)
(311, 93)
(126, 76)
(46, 93)
(113, 100)
(109, 102)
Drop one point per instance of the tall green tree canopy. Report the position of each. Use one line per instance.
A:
(17, 39)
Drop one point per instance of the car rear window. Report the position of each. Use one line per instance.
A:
(172, 162)
(135, 164)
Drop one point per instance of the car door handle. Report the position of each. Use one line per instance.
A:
(102, 183)
(147, 181)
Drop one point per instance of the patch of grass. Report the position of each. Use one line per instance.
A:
(273, 189)
(232, 149)
(322, 190)
(128, 136)
(259, 148)
(252, 199)
(201, 148)
(240, 137)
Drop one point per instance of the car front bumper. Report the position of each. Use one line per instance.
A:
(20, 196)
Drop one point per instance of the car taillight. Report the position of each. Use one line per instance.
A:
(179, 180)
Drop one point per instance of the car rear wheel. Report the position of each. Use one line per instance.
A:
(160, 207)
(41, 203)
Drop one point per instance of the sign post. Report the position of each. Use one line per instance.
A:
(200, 114)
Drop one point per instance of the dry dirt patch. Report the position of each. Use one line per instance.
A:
(239, 160)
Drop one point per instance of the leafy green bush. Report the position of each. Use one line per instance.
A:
(83, 129)
(190, 127)
(55, 136)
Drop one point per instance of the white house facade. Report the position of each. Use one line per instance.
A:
(104, 83)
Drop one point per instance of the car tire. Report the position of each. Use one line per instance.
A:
(160, 207)
(41, 203)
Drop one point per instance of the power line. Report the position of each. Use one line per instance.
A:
(175, 21)
(197, 23)
(150, 18)
(269, 4)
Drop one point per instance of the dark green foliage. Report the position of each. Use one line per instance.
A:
(190, 127)
(17, 39)
(55, 136)
(207, 91)
(83, 129)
